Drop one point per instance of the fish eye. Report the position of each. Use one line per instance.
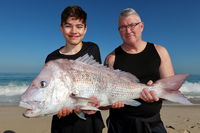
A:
(43, 84)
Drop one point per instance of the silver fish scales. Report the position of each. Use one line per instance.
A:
(69, 83)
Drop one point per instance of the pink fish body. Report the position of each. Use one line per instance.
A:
(68, 83)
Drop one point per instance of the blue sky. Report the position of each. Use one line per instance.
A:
(29, 29)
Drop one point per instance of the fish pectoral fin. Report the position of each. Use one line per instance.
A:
(84, 98)
(89, 108)
(81, 115)
(132, 103)
(79, 97)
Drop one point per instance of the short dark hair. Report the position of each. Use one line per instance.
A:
(73, 11)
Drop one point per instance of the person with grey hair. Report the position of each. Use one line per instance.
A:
(148, 62)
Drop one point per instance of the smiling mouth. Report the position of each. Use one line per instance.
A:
(74, 37)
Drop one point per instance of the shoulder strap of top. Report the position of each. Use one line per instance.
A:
(151, 46)
(118, 50)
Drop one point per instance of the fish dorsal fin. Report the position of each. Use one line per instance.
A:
(88, 60)
(128, 76)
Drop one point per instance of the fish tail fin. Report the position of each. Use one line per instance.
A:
(170, 88)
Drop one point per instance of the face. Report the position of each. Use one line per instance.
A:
(73, 31)
(130, 28)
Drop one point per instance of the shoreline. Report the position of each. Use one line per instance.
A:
(176, 118)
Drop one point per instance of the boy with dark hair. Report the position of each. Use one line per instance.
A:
(73, 27)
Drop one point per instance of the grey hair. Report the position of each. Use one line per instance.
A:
(129, 11)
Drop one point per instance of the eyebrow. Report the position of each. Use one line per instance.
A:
(72, 24)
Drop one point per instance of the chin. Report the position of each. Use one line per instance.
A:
(74, 42)
(130, 41)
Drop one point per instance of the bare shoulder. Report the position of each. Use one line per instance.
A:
(166, 68)
(162, 51)
(110, 59)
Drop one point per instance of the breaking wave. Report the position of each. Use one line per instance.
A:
(12, 86)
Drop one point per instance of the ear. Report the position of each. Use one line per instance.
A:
(61, 28)
(142, 26)
(85, 29)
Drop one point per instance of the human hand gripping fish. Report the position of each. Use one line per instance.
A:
(146, 95)
(52, 89)
(66, 111)
(149, 96)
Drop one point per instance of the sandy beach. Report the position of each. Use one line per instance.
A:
(177, 119)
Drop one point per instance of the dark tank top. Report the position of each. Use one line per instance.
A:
(145, 66)
(72, 123)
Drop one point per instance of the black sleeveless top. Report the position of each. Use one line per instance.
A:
(145, 66)
(72, 123)
(89, 48)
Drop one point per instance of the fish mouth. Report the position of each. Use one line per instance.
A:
(26, 105)
(30, 109)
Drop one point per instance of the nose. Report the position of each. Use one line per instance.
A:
(74, 30)
(128, 29)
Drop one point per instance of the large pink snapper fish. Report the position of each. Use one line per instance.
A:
(69, 83)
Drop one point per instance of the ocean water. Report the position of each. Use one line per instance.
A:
(12, 85)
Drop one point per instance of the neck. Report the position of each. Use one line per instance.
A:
(71, 49)
(134, 48)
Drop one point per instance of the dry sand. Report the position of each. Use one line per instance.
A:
(177, 119)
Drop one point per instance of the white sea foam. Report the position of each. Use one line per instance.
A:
(189, 87)
(12, 89)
